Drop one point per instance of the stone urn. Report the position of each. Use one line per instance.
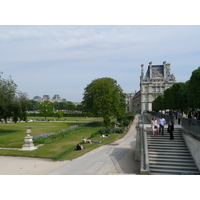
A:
(28, 141)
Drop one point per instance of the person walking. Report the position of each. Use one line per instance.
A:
(154, 126)
(170, 130)
(161, 123)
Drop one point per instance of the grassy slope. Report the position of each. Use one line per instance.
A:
(11, 135)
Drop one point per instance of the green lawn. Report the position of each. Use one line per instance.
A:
(12, 136)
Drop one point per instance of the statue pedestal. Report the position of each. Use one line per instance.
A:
(28, 141)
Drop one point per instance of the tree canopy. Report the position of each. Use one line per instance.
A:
(46, 108)
(13, 103)
(181, 95)
(194, 89)
(103, 96)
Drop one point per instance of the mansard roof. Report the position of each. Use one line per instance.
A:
(158, 73)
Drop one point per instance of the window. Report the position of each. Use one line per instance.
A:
(153, 89)
(158, 89)
(146, 89)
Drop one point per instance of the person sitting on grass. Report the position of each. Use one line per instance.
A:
(79, 147)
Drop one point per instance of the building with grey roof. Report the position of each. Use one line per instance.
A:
(156, 80)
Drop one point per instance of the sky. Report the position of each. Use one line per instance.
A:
(64, 58)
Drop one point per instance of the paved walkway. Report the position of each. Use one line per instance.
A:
(116, 158)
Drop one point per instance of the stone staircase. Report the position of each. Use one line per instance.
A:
(170, 157)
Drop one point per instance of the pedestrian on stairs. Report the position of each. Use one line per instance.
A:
(170, 130)
(154, 126)
(161, 123)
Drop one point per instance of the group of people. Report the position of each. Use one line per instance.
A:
(158, 127)
(80, 147)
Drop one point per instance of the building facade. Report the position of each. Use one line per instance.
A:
(156, 80)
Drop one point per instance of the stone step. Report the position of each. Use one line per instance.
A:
(157, 140)
(165, 147)
(171, 156)
(170, 171)
(170, 153)
(173, 163)
(166, 143)
(172, 160)
(164, 138)
(173, 167)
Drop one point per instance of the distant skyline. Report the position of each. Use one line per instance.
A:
(49, 60)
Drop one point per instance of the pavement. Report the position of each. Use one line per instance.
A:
(116, 158)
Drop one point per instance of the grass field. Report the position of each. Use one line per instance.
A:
(12, 136)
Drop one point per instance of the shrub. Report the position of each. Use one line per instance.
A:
(104, 131)
(125, 122)
(118, 130)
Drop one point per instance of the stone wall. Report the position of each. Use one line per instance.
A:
(193, 146)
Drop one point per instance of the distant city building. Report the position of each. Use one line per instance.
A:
(56, 98)
(37, 98)
(157, 79)
(64, 100)
(76, 103)
(46, 98)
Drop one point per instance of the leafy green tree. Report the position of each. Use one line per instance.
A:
(158, 103)
(194, 89)
(168, 99)
(59, 114)
(80, 108)
(103, 96)
(32, 105)
(70, 106)
(13, 103)
(20, 107)
(46, 108)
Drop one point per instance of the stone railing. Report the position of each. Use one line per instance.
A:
(157, 115)
(142, 140)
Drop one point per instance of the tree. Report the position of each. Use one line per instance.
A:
(70, 106)
(46, 108)
(59, 114)
(158, 103)
(32, 105)
(103, 96)
(194, 89)
(13, 103)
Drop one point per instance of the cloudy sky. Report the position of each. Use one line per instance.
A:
(64, 59)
